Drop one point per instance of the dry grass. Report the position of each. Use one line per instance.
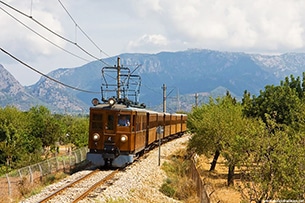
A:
(217, 181)
(178, 184)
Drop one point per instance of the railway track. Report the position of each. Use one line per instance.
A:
(80, 188)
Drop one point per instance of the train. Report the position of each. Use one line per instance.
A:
(120, 130)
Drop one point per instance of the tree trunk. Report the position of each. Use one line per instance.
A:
(231, 175)
(213, 164)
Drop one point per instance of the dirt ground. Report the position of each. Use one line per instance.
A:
(217, 181)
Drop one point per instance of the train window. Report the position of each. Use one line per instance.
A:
(97, 117)
(97, 121)
(124, 120)
(110, 123)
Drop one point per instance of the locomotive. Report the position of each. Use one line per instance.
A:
(120, 130)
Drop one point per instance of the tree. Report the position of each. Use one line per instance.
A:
(283, 103)
(219, 128)
(17, 146)
(44, 126)
(25, 135)
(77, 129)
(275, 169)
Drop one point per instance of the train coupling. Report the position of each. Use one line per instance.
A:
(110, 151)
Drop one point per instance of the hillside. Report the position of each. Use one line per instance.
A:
(185, 73)
(12, 93)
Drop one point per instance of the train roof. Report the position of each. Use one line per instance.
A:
(122, 106)
(117, 107)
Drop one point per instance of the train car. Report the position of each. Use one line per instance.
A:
(183, 123)
(152, 125)
(119, 133)
(121, 130)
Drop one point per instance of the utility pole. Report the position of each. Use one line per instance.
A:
(118, 78)
(178, 99)
(164, 98)
(196, 100)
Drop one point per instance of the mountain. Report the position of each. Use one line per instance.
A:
(12, 93)
(207, 72)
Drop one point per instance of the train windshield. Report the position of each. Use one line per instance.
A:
(124, 120)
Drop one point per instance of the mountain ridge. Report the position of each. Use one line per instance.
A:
(184, 73)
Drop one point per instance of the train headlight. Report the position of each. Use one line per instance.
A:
(96, 137)
(111, 101)
(95, 101)
(124, 138)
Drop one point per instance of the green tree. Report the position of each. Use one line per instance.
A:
(76, 130)
(25, 136)
(17, 147)
(44, 126)
(283, 103)
(219, 128)
(275, 169)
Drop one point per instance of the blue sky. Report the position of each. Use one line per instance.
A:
(146, 26)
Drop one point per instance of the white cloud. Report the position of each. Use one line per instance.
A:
(151, 26)
(155, 42)
(272, 25)
(22, 34)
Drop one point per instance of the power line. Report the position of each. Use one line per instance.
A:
(48, 29)
(82, 30)
(50, 78)
(36, 21)
(63, 49)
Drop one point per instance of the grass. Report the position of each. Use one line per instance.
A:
(178, 185)
(217, 181)
(28, 189)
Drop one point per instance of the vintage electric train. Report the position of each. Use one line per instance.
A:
(120, 130)
(118, 133)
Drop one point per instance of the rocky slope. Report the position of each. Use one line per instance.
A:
(208, 72)
(12, 93)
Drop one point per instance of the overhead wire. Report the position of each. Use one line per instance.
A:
(58, 35)
(48, 29)
(77, 25)
(50, 78)
(63, 49)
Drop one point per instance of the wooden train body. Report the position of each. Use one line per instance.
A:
(119, 133)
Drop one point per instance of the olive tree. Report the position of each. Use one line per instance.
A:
(219, 128)
(275, 169)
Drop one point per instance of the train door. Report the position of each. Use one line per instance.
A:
(109, 127)
(161, 123)
(151, 127)
(140, 134)
(167, 120)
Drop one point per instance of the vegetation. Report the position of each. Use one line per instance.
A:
(263, 136)
(178, 185)
(29, 137)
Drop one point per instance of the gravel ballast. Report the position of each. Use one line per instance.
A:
(140, 182)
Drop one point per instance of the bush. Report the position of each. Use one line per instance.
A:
(167, 188)
(178, 185)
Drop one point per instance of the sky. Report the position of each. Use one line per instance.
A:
(103, 29)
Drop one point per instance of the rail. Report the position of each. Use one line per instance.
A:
(84, 191)
(93, 187)
(16, 183)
